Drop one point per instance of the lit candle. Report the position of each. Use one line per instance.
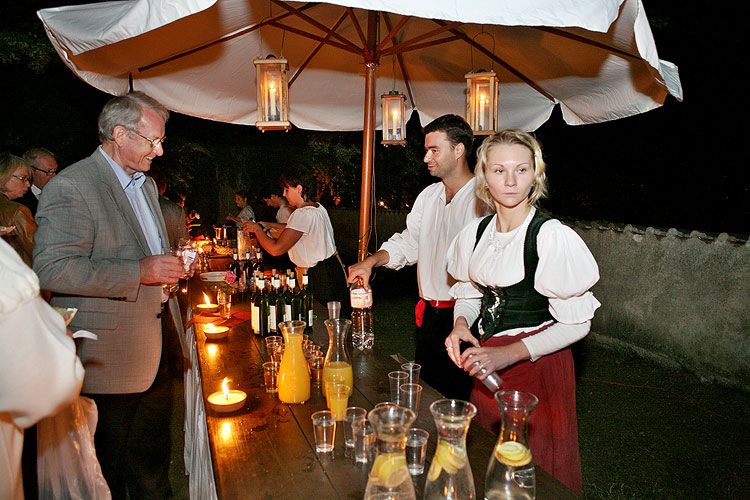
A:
(227, 400)
(272, 100)
(482, 101)
(208, 306)
(394, 125)
(215, 332)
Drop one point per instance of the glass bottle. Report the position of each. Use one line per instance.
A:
(273, 300)
(260, 308)
(510, 473)
(450, 474)
(307, 300)
(294, 379)
(337, 360)
(389, 476)
(363, 334)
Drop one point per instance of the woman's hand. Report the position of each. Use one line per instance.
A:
(492, 358)
(252, 227)
(459, 333)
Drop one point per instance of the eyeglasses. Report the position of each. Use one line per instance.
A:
(22, 179)
(46, 172)
(154, 142)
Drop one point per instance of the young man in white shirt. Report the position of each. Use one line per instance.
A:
(439, 212)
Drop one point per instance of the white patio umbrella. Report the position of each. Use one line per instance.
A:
(596, 59)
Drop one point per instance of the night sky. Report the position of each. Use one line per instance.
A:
(683, 165)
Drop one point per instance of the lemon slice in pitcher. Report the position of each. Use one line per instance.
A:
(391, 469)
(450, 457)
(512, 453)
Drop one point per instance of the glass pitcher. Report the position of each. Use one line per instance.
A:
(389, 477)
(294, 378)
(510, 473)
(337, 360)
(450, 474)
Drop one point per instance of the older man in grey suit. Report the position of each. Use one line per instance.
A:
(100, 248)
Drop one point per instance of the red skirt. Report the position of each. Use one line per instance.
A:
(552, 428)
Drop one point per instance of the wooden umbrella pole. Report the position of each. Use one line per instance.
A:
(368, 136)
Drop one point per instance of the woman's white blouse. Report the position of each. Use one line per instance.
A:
(317, 242)
(565, 273)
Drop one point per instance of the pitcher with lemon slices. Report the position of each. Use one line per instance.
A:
(450, 477)
(510, 473)
(389, 477)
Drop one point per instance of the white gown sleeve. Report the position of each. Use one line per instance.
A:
(565, 273)
(468, 296)
(403, 247)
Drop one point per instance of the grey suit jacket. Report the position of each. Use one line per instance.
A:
(87, 251)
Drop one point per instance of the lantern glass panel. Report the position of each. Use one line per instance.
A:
(393, 118)
(481, 104)
(272, 89)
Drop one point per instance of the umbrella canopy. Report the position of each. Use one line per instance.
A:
(596, 59)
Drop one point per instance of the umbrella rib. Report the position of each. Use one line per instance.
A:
(492, 56)
(391, 32)
(400, 48)
(225, 38)
(400, 59)
(407, 43)
(357, 27)
(315, 51)
(587, 41)
(354, 50)
(310, 20)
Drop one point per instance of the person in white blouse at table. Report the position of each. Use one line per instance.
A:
(308, 238)
(526, 277)
(39, 370)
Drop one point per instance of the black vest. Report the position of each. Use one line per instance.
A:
(519, 305)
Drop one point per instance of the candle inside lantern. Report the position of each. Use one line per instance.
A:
(394, 125)
(482, 102)
(272, 100)
(227, 400)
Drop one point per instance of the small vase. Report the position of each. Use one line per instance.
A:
(389, 476)
(510, 473)
(450, 474)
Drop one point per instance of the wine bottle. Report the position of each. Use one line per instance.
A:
(237, 271)
(273, 297)
(260, 308)
(307, 300)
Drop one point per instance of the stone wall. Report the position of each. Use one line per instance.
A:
(676, 297)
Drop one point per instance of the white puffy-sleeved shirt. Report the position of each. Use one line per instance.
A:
(430, 227)
(565, 273)
(39, 369)
(316, 243)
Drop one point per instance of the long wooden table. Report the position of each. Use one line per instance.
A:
(266, 450)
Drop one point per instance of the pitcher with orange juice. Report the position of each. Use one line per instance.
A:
(337, 359)
(294, 377)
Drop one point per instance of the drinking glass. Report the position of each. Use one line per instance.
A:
(364, 440)
(416, 450)
(397, 379)
(409, 396)
(324, 427)
(352, 414)
(270, 376)
(413, 370)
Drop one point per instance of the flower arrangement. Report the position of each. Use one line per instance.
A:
(230, 284)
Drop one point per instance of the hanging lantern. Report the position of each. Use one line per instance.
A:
(273, 92)
(394, 124)
(481, 102)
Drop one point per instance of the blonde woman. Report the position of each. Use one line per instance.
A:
(15, 180)
(526, 277)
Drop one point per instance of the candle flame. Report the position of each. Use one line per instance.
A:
(205, 297)
(225, 387)
(212, 349)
